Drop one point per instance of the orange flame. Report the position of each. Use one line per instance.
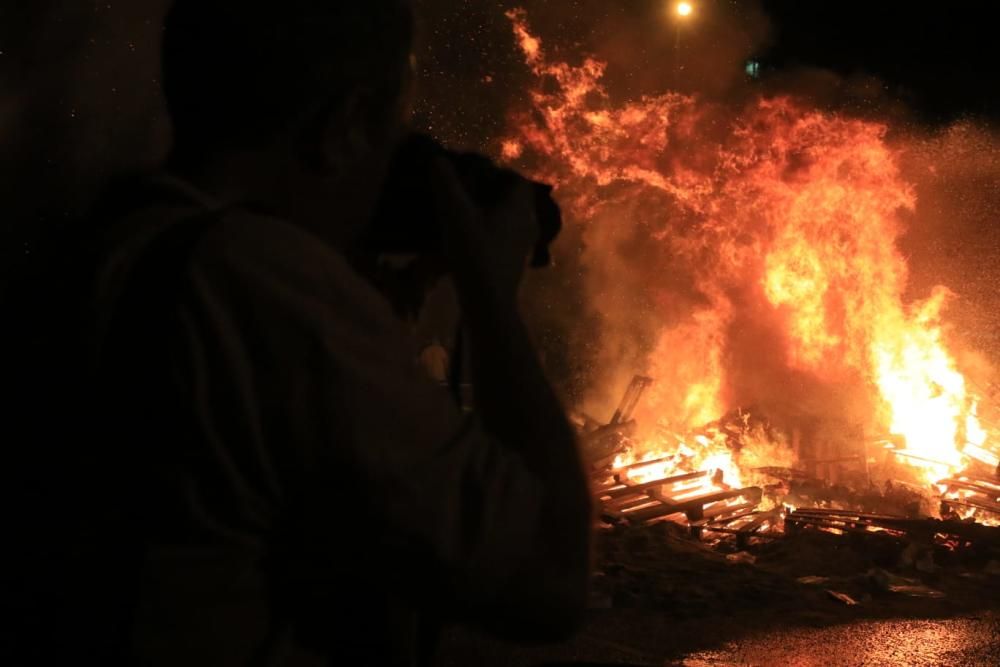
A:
(792, 213)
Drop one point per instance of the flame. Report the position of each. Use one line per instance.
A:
(530, 45)
(669, 454)
(788, 212)
(511, 150)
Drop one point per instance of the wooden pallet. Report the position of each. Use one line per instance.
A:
(744, 522)
(626, 500)
(978, 493)
(845, 521)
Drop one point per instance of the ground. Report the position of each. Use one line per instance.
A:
(632, 638)
(661, 598)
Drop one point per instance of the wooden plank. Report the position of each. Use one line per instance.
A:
(985, 505)
(693, 504)
(991, 493)
(600, 488)
(728, 514)
(907, 454)
(626, 488)
(992, 482)
(819, 512)
(743, 532)
(758, 521)
(894, 524)
(643, 464)
(785, 474)
(847, 527)
(630, 503)
(658, 512)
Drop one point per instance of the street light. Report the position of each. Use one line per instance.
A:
(684, 11)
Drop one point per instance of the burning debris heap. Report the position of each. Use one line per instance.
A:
(698, 519)
(699, 484)
(664, 484)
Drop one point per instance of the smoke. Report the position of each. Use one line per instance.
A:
(953, 236)
(614, 294)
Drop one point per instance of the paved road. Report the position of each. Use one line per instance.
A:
(973, 641)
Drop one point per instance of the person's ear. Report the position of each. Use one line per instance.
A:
(335, 138)
(351, 134)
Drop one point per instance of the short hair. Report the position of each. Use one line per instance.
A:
(236, 73)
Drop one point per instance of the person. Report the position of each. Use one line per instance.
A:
(289, 488)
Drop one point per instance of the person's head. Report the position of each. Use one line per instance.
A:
(318, 87)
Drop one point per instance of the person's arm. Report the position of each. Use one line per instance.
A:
(488, 254)
(518, 407)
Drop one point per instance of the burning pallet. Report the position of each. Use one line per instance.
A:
(970, 494)
(698, 496)
(693, 495)
(922, 530)
(744, 524)
(671, 487)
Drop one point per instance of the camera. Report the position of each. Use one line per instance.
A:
(408, 220)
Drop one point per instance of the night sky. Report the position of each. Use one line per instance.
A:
(469, 55)
(79, 97)
(940, 58)
(937, 63)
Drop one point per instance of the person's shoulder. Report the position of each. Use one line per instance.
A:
(260, 257)
(240, 254)
(240, 238)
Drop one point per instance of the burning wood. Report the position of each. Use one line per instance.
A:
(971, 497)
(660, 498)
(745, 523)
(925, 530)
(603, 444)
(656, 487)
(634, 392)
(700, 484)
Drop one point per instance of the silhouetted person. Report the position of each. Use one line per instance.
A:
(287, 487)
